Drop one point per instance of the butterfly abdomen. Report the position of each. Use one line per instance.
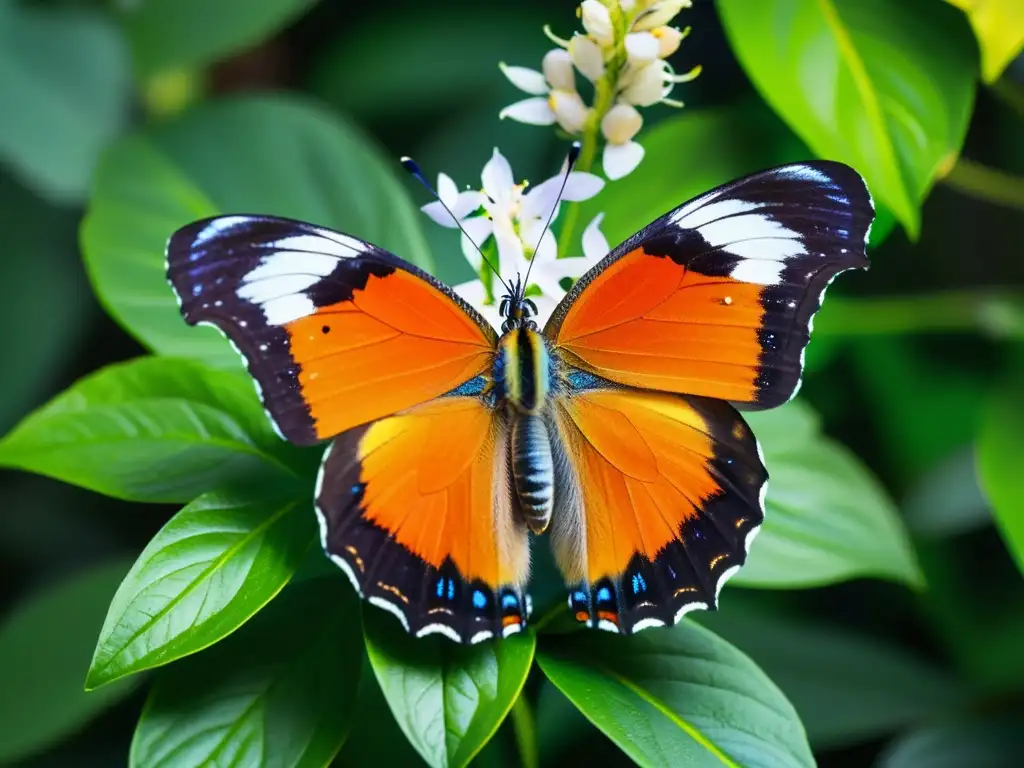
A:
(533, 471)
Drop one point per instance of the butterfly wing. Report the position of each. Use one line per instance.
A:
(658, 497)
(716, 298)
(335, 331)
(416, 509)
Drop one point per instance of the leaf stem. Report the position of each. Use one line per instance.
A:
(526, 732)
(989, 184)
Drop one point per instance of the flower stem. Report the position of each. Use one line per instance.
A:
(989, 184)
(526, 732)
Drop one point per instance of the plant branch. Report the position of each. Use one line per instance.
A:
(989, 184)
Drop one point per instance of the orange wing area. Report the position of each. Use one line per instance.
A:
(649, 322)
(416, 508)
(396, 343)
(658, 496)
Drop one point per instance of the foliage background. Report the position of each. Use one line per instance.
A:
(898, 649)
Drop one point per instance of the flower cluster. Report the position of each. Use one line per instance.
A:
(623, 54)
(515, 214)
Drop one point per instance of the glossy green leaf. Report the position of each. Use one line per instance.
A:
(209, 569)
(996, 742)
(947, 500)
(885, 87)
(847, 687)
(153, 429)
(192, 33)
(64, 87)
(1000, 461)
(679, 696)
(273, 155)
(999, 27)
(44, 652)
(448, 699)
(827, 518)
(280, 692)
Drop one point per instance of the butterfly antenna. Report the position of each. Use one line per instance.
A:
(574, 153)
(414, 170)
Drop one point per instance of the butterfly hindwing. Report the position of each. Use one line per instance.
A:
(658, 498)
(716, 298)
(335, 331)
(416, 508)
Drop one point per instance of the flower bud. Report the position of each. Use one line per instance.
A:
(641, 47)
(646, 85)
(557, 66)
(598, 22)
(668, 39)
(621, 123)
(659, 14)
(587, 56)
(570, 111)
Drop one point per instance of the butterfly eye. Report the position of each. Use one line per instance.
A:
(503, 307)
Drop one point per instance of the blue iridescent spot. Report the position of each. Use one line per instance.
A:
(471, 388)
(604, 595)
(639, 585)
(508, 600)
(582, 380)
(440, 587)
(197, 289)
(479, 600)
(579, 596)
(451, 589)
(356, 489)
(698, 534)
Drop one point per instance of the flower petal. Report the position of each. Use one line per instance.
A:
(582, 186)
(436, 211)
(497, 178)
(538, 201)
(595, 244)
(642, 47)
(597, 21)
(558, 72)
(510, 250)
(620, 159)
(467, 202)
(621, 123)
(473, 293)
(535, 111)
(446, 190)
(525, 79)
(569, 109)
(587, 56)
(477, 230)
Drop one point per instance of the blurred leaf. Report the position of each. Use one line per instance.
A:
(847, 687)
(279, 692)
(44, 653)
(207, 571)
(193, 33)
(46, 292)
(678, 696)
(273, 155)
(448, 699)
(1000, 464)
(64, 90)
(993, 743)
(947, 500)
(153, 429)
(886, 87)
(999, 27)
(827, 519)
(448, 57)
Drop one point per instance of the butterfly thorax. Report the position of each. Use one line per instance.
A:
(522, 373)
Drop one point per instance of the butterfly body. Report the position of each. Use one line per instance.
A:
(612, 429)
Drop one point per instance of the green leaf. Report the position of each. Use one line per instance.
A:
(273, 155)
(448, 699)
(280, 692)
(999, 27)
(1000, 458)
(828, 519)
(193, 33)
(996, 742)
(847, 687)
(64, 89)
(885, 87)
(947, 500)
(678, 696)
(44, 652)
(153, 429)
(208, 570)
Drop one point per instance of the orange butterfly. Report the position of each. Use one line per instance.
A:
(613, 423)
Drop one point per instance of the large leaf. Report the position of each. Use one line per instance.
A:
(44, 652)
(847, 687)
(448, 699)
(1000, 460)
(191, 33)
(280, 692)
(210, 568)
(64, 88)
(996, 742)
(885, 87)
(272, 155)
(153, 429)
(678, 696)
(827, 518)
(999, 27)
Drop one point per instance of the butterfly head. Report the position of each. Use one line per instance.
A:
(516, 309)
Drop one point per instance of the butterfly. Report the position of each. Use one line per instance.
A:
(614, 429)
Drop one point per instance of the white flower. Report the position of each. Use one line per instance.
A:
(598, 22)
(513, 213)
(641, 47)
(668, 39)
(659, 14)
(555, 98)
(587, 56)
(645, 84)
(557, 66)
(569, 110)
(621, 154)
